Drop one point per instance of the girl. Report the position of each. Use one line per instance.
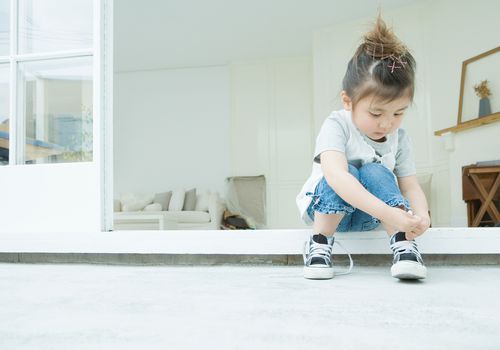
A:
(363, 170)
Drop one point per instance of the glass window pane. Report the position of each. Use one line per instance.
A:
(57, 110)
(4, 27)
(4, 114)
(54, 25)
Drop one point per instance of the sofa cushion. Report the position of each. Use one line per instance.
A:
(163, 199)
(190, 200)
(117, 205)
(202, 201)
(177, 200)
(188, 216)
(135, 202)
(153, 207)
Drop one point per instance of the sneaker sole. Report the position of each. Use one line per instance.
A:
(408, 270)
(318, 273)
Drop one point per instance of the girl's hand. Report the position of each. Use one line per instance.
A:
(402, 221)
(422, 226)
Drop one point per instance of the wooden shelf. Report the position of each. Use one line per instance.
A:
(474, 123)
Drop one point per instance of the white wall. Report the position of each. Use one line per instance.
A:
(194, 127)
(272, 130)
(441, 34)
(457, 31)
(171, 130)
(71, 204)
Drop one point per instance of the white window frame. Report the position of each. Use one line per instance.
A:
(101, 54)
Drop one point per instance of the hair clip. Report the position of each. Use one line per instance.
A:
(394, 60)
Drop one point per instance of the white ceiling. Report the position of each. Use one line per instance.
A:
(153, 34)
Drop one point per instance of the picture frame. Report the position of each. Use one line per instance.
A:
(474, 70)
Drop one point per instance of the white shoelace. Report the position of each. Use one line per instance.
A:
(325, 251)
(402, 247)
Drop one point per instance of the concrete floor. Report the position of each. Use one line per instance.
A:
(242, 307)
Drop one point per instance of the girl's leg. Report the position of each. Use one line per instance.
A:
(326, 224)
(327, 208)
(407, 262)
(381, 182)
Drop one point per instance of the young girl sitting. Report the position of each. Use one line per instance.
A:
(363, 170)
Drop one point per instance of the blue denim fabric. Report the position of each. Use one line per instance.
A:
(377, 179)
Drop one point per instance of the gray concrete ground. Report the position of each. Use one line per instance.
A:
(245, 307)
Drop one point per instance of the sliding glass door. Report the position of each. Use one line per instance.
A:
(53, 110)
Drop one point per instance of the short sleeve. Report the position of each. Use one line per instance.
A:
(405, 162)
(332, 136)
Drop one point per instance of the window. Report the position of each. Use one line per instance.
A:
(49, 57)
(57, 110)
(4, 81)
(4, 27)
(54, 25)
(4, 114)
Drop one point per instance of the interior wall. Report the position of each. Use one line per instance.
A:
(449, 43)
(440, 42)
(271, 123)
(171, 130)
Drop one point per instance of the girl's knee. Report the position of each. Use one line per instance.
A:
(374, 170)
(368, 167)
(377, 178)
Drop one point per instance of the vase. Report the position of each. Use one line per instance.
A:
(484, 107)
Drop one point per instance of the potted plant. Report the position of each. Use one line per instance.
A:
(483, 92)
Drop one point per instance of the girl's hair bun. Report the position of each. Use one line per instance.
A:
(381, 42)
(382, 66)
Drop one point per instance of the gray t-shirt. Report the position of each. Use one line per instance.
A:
(334, 135)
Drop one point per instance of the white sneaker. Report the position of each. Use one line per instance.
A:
(317, 257)
(407, 263)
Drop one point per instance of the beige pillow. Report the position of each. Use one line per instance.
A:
(117, 205)
(163, 199)
(177, 200)
(190, 200)
(202, 201)
(135, 202)
(134, 205)
(153, 207)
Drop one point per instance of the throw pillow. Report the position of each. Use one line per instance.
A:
(163, 199)
(117, 205)
(134, 205)
(135, 202)
(202, 201)
(190, 200)
(153, 207)
(177, 200)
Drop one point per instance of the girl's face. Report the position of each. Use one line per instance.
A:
(376, 119)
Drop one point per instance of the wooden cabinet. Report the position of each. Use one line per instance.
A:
(481, 192)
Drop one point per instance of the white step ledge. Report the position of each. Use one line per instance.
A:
(435, 241)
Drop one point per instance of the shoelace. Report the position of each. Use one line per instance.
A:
(402, 247)
(325, 251)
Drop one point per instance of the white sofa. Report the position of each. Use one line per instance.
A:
(171, 219)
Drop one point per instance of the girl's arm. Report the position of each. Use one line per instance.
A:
(413, 192)
(335, 169)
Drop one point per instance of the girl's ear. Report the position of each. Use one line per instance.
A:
(346, 100)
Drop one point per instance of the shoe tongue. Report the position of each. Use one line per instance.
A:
(319, 238)
(398, 237)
